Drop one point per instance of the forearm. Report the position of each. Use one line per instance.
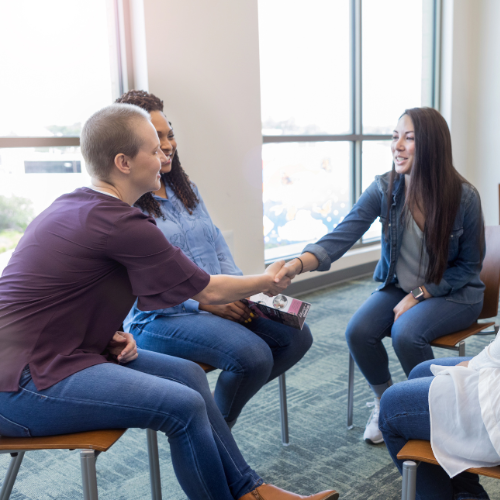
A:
(223, 288)
(306, 262)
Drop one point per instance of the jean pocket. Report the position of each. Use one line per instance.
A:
(11, 429)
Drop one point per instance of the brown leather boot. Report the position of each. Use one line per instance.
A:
(270, 492)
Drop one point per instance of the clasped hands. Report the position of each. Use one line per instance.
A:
(123, 346)
(279, 274)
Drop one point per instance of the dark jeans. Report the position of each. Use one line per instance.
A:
(155, 391)
(249, 355)
(404, 415)
(411, 334)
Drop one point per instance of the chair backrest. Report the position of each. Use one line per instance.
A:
(490, 274)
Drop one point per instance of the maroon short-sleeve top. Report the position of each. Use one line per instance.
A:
(73, 278)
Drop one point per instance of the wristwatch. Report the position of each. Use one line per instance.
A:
(418, 293)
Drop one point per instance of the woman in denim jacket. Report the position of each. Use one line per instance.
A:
(432, 252)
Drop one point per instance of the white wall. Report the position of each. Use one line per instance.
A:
(484, 159)
(470, 93)
(203, 61)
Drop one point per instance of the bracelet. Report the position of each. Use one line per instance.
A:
(302, 264)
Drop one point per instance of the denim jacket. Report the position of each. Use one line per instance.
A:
(460, 282)
(202, 242)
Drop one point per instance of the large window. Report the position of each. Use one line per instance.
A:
(59, 64)
(335, 77)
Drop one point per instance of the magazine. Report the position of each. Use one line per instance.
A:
(280, 308)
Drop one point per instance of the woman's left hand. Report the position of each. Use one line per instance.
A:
(123, 346)
(406, 303)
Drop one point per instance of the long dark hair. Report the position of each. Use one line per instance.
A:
(435, 188)
(177, 178)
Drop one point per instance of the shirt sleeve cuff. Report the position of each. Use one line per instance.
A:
(439, 290)
(191, 306)
(321, 254)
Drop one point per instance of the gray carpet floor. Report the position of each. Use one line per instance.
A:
(322, 453)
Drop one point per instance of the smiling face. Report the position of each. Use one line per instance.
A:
(403, 145)
(168, 143)
(145, 166)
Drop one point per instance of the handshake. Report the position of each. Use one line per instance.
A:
(282, 273)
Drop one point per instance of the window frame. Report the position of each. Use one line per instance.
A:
(357, 137)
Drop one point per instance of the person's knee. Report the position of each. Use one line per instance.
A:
(422, 370)
(389, 404)
(357, 333)
(304, 338)
(191, 410)
(405, 337)
(254, 361)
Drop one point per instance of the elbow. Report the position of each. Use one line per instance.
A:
(209, 297)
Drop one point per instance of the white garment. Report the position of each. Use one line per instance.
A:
(464, 406)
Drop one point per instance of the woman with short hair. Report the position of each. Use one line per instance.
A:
(73, 277)
(432, 253)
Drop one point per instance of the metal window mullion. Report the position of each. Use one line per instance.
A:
(436, 51)
(356, 98)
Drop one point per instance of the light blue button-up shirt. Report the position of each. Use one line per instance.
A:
(202, 242)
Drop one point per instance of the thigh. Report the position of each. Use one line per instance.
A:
(206, 338)
(375, 317)
(404, 409)
(107, 396)
(424, 369)
(434, 318)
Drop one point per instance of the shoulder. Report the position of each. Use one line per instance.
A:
(470, 196)
(382, 181)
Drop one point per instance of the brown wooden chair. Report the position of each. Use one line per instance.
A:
(490, 276)
(416, 451)
(90, 445)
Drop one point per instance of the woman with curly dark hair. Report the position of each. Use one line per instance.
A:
(250, 351)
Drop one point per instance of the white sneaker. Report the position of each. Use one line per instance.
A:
(372, 433)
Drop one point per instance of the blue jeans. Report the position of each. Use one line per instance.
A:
(411, 334)
(249, 356)
(404, 415)
(154, 391)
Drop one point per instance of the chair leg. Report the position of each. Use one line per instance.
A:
(461, 348)
(350, 392)
(10, 478)
(89, 478)
(284, 410)
(409, 480)
(154, 464)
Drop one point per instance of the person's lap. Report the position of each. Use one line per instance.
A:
(411, 333)
(404, 415)
(154, 391)
(248, 355)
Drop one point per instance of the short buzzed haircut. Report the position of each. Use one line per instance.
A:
(109, 132)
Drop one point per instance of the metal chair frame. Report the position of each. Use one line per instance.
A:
(88, 469)
(415, 452)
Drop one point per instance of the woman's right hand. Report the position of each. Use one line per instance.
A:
(235, 311)
(275, 287)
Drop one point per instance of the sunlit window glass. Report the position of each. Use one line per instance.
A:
(392, 61)
(56, 70)
(306, 193)
(377, 160)
(30, 180)
(304, 60)
(55, 65)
